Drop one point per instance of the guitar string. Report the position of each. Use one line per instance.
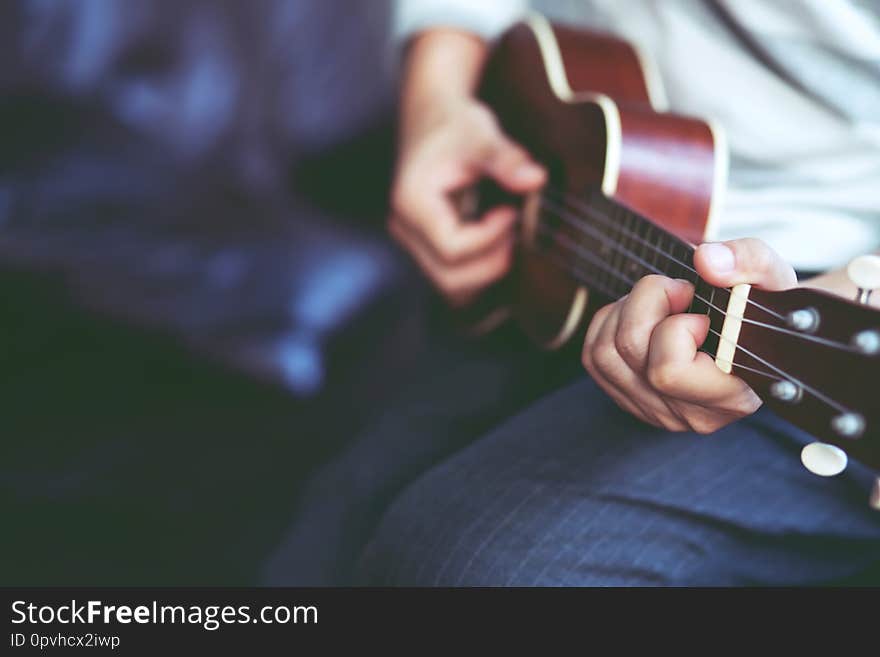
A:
(575, 222)
(568, 266)
(611, 270)
(597, 214)
(571, 217)
(784, 375)
(779, 329)
(577, 203)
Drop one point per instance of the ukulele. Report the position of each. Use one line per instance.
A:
(631, 189)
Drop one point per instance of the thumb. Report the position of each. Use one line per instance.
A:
(511, 166)
(725, 264)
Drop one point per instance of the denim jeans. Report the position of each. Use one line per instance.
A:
(573, 491)
(498, 464)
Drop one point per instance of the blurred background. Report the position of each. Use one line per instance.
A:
(198, 303)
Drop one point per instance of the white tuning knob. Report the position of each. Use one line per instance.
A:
(864, 271)
(823, 459)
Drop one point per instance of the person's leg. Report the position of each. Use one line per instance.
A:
(459, 390)
(575, 492)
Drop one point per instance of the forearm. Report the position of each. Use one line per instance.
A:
(442, 67)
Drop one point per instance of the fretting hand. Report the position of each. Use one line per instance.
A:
(643, 349)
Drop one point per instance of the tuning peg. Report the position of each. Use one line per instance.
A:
(823, 459)
(864, 271)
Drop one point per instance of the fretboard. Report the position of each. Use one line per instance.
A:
(609, 247)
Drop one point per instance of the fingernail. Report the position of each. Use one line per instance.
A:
(719, 257)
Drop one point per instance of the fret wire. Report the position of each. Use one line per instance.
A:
(614, 235)
(677, 265)
(663, 267)
(608, 253)
(782, 374)
(625, 229)
(609, 275)
(625, 222)
(607, 269)
(723, 293)
(642, 233)
(688, 259)
(653, 251)
(567, 201)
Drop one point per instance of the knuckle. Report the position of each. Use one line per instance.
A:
(448, 248)
(447, 285)
(481, 116)
(745, 404)
(606, 310)
(595, 325)
(401, 196)
(587, 360)
(397, 199)
(628, 344)
(672, 424)
(762, 258)
(652, 282)
(754, 254)
(705, 425)
(605, 357)
(505, 263)
(665, 376)
(509, 154)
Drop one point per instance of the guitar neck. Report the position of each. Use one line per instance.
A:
(608, 247)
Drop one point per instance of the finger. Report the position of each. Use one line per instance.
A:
(495, 226)
(458, 281)
(630, 380)
(651, 301)
(618, 396)
(606, 359)
(616, 378)
(513, 168)
(705, 420)
(725, 264)
(511, 165)
(656, 413)
(677, 370)
(431, 215)
(593, 331)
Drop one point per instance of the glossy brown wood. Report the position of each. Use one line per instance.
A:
(667, 170)
(844, 376)
(568, 139)
(600, 62)
(666, 161)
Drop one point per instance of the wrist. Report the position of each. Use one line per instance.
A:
(441, 72)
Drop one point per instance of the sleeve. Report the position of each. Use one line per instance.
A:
(486, 18)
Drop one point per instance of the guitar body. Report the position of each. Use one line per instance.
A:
(585, 105)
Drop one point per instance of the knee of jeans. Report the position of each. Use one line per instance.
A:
(414, 547)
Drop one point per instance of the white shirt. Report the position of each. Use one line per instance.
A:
(805, 156)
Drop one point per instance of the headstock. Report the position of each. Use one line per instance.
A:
(815, 359)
